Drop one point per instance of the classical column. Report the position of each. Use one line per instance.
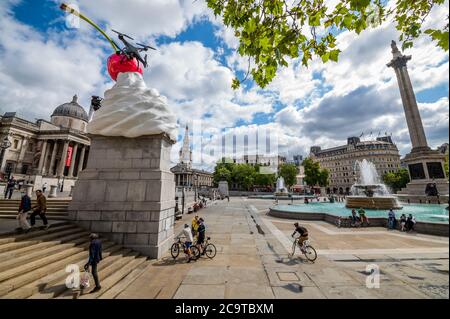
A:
(51, 171)
(72, 162)
(23, 149)
(81, 160)
(41, 159)
(63, 159)
(413, 119)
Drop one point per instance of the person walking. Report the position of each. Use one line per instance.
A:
(44, 187)
(10, 188)
(95, 256)
(24, 208)
(40, 209)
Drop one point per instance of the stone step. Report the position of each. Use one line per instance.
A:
(14, 236)
(59, 289)
(114, 291)
(26, 250)
(52, 284)
(14, 210)
(6, 264)
(40, 263)
(27, 278)
(37, 240)
(53, 217)
(116, 277)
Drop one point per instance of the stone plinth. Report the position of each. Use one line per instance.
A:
(425, 167)
(127, 192)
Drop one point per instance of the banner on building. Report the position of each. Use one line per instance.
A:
(69, 156)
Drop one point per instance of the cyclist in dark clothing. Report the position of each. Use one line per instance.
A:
(303, 233)
(201, 234)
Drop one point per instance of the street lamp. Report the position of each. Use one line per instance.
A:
(5, 144)
(195, 186)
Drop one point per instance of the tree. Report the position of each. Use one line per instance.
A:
(221, 173)
(289, 173)
(397, 180)
(314, 175)
(323, 178)
(271, 32)
(243, 175)
(265, 179)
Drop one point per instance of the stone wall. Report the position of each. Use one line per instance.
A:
(127, 192)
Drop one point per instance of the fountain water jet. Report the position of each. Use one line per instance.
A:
(368, 191)
(281, 189)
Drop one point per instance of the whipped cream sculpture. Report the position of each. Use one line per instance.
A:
(129, 109)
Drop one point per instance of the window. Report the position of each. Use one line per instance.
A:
(16, 144)
(24, 169)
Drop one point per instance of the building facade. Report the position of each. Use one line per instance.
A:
(185, 175)
(46, 152)
(341, 161)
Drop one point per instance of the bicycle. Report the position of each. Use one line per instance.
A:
(176, 247)
(208, 249)
(307, 250)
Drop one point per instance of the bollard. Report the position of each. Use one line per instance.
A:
(52, 191)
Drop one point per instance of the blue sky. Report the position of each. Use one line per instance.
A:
(194, 65)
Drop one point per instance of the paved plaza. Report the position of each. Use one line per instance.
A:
(252, 261)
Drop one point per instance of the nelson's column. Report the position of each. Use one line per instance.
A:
(424, 164)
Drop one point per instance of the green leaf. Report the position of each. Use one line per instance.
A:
(325, 57)
(334, 55)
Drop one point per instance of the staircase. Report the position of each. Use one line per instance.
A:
(56, 208)
(33, 265)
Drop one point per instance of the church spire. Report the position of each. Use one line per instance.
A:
(185, 152)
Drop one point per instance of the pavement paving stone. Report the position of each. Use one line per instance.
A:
(252, 261)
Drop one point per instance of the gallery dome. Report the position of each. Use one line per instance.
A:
(71, 109)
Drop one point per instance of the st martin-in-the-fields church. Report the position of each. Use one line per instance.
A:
(185, 175)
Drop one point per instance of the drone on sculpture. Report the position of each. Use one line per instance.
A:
(126, 59)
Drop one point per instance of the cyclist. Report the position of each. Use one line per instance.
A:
(303, 234)
(201, 234)
(187, 233)
(195, 225)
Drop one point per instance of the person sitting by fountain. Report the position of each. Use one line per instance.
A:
(391, 219)
(355, 222)
(303, 232)
(403, 222)
(306, 201)
(362, 216)
(410, 223)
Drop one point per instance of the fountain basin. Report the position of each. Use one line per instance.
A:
(422, 212)
(378, 202)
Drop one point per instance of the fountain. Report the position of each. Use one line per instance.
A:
(369, 192)
(281, 190)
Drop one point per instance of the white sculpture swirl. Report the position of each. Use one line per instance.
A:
(130, 109)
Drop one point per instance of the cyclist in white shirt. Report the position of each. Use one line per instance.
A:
(187, 233)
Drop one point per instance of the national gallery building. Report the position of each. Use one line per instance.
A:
(46, 152)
